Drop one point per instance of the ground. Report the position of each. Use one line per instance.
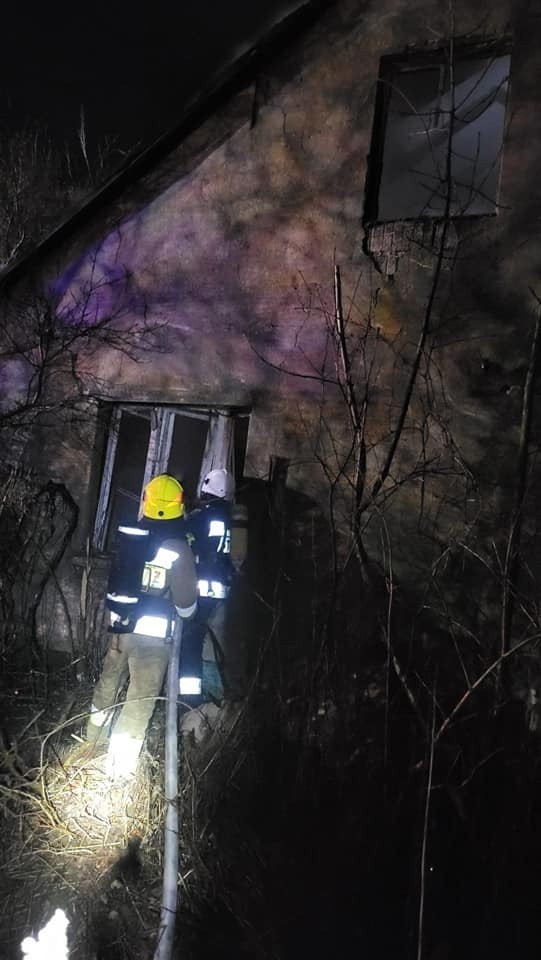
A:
(307, 829)
(75, 841)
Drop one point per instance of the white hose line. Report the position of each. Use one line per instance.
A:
(166, 933)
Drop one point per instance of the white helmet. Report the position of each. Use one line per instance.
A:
(219, 483)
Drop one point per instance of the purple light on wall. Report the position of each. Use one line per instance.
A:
(96, 287)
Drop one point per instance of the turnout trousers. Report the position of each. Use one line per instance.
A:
(145, 660)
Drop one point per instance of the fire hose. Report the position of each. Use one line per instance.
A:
(166, 933)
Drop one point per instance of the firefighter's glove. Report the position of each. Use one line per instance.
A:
(187, 613)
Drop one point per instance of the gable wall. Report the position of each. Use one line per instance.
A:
(234, 262)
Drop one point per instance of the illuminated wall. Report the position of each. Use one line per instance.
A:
(229, 247)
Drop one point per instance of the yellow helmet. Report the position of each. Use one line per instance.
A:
(163, 499)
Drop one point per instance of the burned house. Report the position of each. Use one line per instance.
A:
(330, 263)
(325, 276)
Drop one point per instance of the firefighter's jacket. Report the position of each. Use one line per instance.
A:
(152, 574)
(216, 532)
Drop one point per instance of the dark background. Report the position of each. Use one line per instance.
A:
(132, 67)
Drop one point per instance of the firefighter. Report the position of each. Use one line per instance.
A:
(152, 580)
(218, 534)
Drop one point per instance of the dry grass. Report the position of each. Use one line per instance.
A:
(74, 839)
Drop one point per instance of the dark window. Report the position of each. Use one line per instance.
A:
(438, 137)
(128, 468)
(144, 441)
(186, 455)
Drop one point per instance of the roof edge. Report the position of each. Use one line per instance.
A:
(224, 85)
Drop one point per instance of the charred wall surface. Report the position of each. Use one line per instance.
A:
(409, 424)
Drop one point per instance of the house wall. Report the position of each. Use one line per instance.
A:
(233, 260)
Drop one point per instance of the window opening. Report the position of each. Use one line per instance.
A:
(427, 114)
(124, 472)
(189, 436)
(145, 441)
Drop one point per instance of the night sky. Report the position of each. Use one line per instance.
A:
(133, 68)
